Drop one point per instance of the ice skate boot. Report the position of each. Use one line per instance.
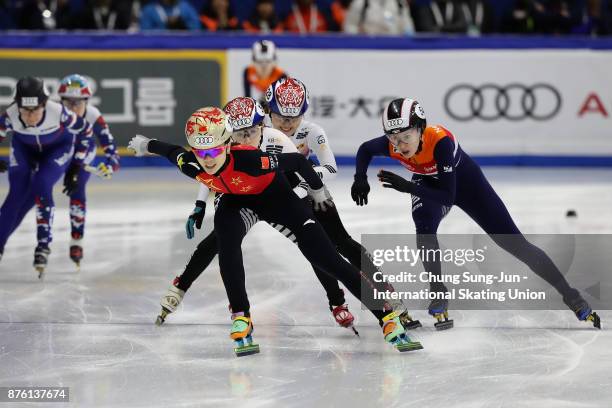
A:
(344, 317)
(395, 334)
(241, 333)
(407, 321)
(41, 256)
(170, 302)
(582, 309)
(76, 252)
(438, 308)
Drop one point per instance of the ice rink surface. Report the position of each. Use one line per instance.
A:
(93, 330)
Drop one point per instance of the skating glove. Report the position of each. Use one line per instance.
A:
(71, 179)
(322, 199)
(109, 166)
(139, 145)
(3, 166)
(196, 218)
(360, 189)
(392, 180)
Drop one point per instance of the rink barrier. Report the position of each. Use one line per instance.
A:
(159, 41)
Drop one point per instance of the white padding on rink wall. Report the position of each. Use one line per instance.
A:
(497, 102)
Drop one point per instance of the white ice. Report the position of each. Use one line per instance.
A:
(93, 330)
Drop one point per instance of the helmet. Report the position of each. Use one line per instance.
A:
(74, 86)
(244, 112)
(208, 127)
(264, 51)
(287, 97)
(30, 92)
(403, 114)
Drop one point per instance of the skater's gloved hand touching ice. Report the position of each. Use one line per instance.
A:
(71, 179)
(3, 166)
(196, 218)
(360, 189)
(392, 180)
(139, 145)
(322, 199)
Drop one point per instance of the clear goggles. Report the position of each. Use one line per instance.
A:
(407, 136)
(246, 134)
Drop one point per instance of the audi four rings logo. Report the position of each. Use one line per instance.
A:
(513, 102)
(395, 122)
(241, 122)
(204, 140)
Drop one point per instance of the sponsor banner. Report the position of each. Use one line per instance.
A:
(138, 92)
(497, 102)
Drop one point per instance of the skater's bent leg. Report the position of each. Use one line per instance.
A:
(335, 295)
(78, 206)
(20, 178)
(199, 261)
(427, 215)
(230, 231)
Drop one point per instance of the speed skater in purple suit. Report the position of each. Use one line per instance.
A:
(46, 140)
(74, 91)
(443, 176)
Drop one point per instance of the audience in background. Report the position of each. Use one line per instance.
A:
(338, 11)
(371, 17)
(217, 16)
(169, 15)
(105, 15)
(305, 17)
(263, 19)
(385, 17)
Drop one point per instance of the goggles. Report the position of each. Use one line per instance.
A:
(407, 136)
(246, 134)
(213, 152)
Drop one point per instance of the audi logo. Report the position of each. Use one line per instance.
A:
(241, 122)
(513, 102)
(395, 122)
(204, 140)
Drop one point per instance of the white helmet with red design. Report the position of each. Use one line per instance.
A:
(74, 86)
(288, 97)
(244, 113)
(207, 128)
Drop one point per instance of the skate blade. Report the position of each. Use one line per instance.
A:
(246, 350)
(41, 271)
(594, 317)
(409, 346)
(354, 331)
(412, 324)
(161, 318)
(444, 325)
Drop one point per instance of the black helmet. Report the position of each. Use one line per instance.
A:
(403, 114)
(30, 92)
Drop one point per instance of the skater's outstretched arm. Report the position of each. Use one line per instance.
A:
(374, 147)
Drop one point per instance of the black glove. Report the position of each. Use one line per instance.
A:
(360, 189)
(195, 218)
(392, 180)
(71, 179)
(3, 166)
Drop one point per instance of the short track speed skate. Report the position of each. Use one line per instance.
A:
(242, 334)
(408, 322)
(344, 317)
(582, 309)
(170, 302)
(41, 257)
(438, 308)
(395, 334)
(76, 253)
